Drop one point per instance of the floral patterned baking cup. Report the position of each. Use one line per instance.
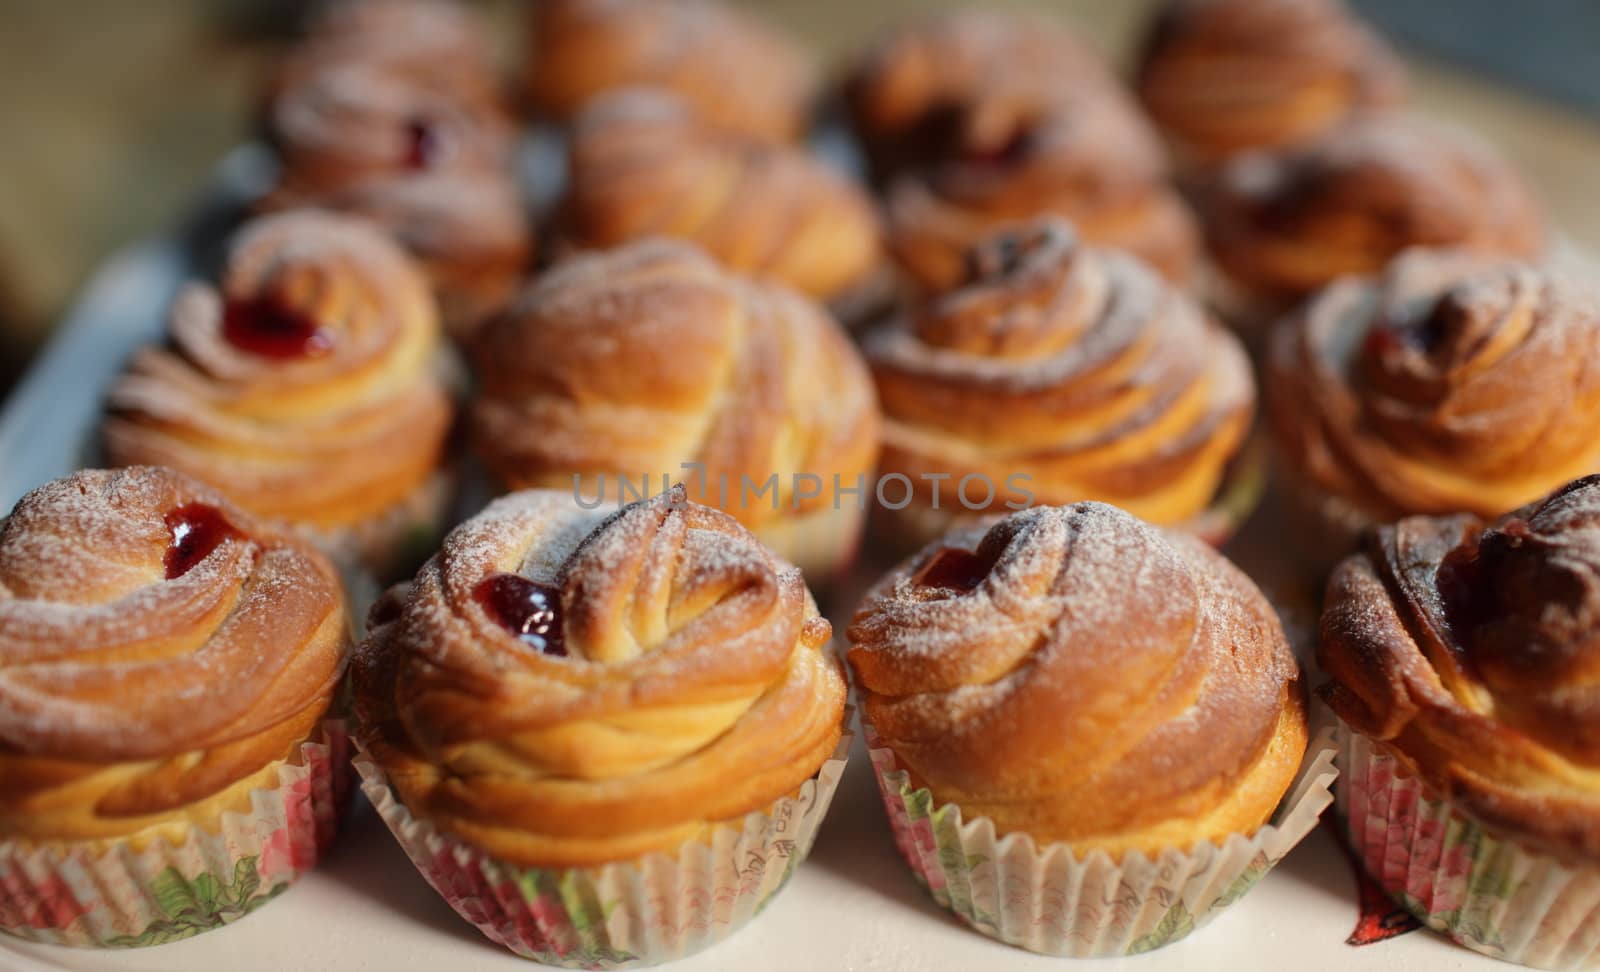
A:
(655, 909)
(1484, 891)
(111, 894)
(1045, 899)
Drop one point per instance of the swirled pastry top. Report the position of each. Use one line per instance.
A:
(467, 228)
(1075, 366)
(302, 385)
(157, 646)
(642, 165)
(354, 120)
(567, 688)
(741, 74)
(1080, 676)
(954, 83)
(981, 118)
(1089, 159)
(438, 44)
(1225, 76)
(1472, 652)
(634, 361)
(1451, 383)
(1285, 224)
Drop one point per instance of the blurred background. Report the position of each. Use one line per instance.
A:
(114, 112)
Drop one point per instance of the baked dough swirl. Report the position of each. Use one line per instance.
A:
(1472, 651)
(1282, 225)
(303, 385)
(740, 74)
(1451, 383)
(641, 165)
(357, 119)
(1079, 676)
(980, 119)
(158, 649)
(927, 88)
(1073, 365)
(632, 362)
(439, 43)
(1088, 160)
(1225, 76)
(681, 680)
(377, 134)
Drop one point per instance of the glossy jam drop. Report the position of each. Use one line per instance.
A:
(529, 610)
(1381, 342)
(197, 529)
(423, 144)
(951, 573)
(269, 327)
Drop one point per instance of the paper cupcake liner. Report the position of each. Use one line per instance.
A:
(1047, 900)
(108, 894)
(655, 909)
(1487, 893)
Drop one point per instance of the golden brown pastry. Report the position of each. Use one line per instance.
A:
(1222, 77)
(1452, 383)
(1087, 161)
(1469, 651)
(1064, 372)
(468, 230)
(385, 113)
(1079, 676)
(565, 688)
(642, 165)
(955, 82)
(355, 120)
(740, 74)
(980, 119)
(161, 654)
(631, 363)
(439, 43)
(1283, 225)
(304, 385)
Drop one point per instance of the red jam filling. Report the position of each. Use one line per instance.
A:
(951, 573)
(423, 145)
(269, 327)
(529, 610)
(197, 529)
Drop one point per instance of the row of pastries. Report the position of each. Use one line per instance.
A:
(607, 724)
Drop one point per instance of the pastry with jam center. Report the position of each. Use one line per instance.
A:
(168, 664)
(641, 697)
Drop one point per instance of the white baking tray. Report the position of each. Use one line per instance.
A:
(852, 907)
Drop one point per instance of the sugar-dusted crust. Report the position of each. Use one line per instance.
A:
(696, 684)
(1452, 383)
(1079, 676)
(980, 118)
(1283, 224)
(642, 164)
(325, 440)
(959, 76)
(1472, 653)
(1072, 366)
(638, 360)
(129, 700)
(393, 111)
(740, 73)
(441, 45)
(1226, 76)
